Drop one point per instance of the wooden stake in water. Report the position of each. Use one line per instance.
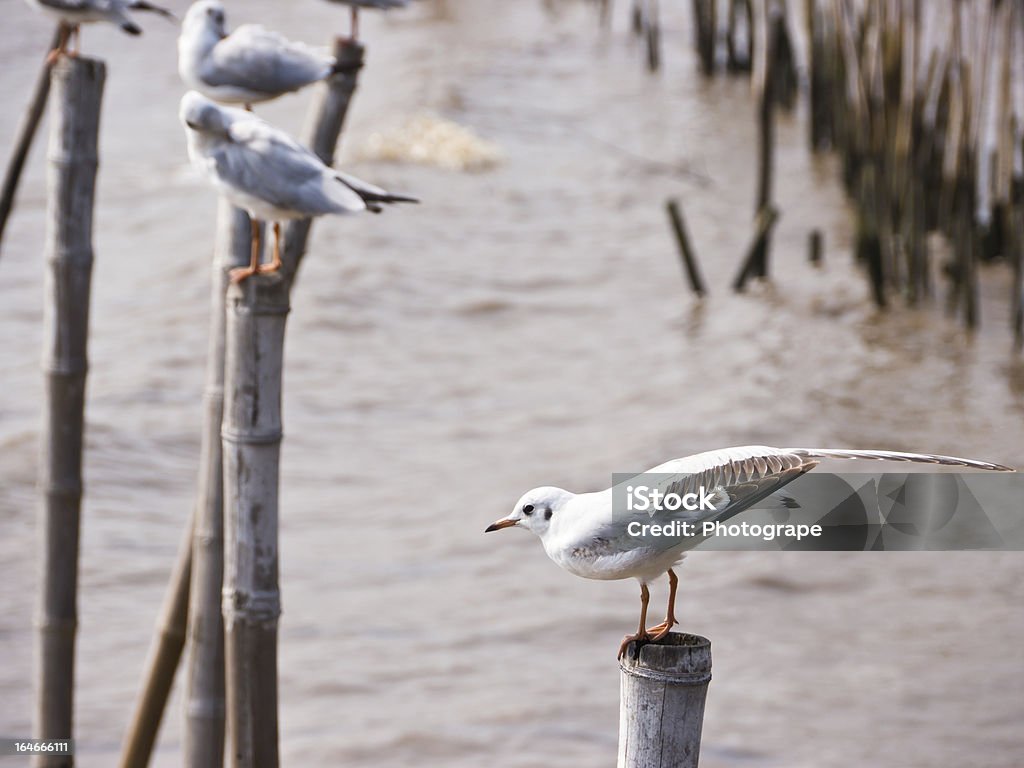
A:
(661, 705)
(685, 248)
(75, 98)
(251, 433)
(204, 697)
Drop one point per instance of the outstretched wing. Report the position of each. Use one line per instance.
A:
(732, 479)
(263, 61)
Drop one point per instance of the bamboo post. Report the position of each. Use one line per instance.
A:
(328, 121)
(705, 24)
(204, 697)
(758, 265)
(75, 105)
(661, 704)
(26, 133)
(161, 663)
(815, 247)
(686, 253)
(251, 433)
(763, 224)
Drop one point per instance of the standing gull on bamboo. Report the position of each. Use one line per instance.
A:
(355, 5)
(582, 535)
(247, 66)
(73, 13)
(268, 174)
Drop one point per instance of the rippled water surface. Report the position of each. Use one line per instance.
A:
(525, 326)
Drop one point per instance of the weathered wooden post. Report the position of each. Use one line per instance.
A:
(661, 705)
(204, 696)
(686, 253)
(76, 93)
(251, 434)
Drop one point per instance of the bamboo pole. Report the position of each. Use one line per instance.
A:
(325, 130)
(661, 705)
(763, 224)
(251, 433)
(162, 662)
(686, 252)
(204, 698)
(26, 133)
(75, 105)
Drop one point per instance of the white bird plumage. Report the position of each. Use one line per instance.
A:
(580, 533)
(265, 172)
(247, 66)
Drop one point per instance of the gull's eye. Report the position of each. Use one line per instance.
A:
(528, 510)
(547, 513)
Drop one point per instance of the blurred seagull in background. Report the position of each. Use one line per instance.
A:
(247, 66)
(582, 535)
(355, 5)
(73, 13)
(265, 172)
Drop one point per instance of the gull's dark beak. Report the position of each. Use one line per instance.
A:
(498, 525)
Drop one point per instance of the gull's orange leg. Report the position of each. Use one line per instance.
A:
(641, 632)
(275, 264)
(238, 274)
(62, 43)
(665, 627)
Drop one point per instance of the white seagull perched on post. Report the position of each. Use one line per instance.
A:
(581, 534)
(268, 174)
(355, 5)
(73, 13)
(247, 66)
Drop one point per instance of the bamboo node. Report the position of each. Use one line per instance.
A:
(264, 437)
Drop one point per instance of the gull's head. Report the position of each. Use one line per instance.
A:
(535, 511)
(205, 16)
(203, 116)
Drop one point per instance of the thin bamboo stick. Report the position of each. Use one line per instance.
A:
(686, 252)
(26, 133)
(162, 662)
(75, 105)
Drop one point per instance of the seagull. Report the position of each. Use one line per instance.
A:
(580, 533)
(268, 174)
(72, 13)
(249, 65)
(355, 5)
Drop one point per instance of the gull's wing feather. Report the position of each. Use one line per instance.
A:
(267, 163)
(263, 61)
(72, 5)
(736, 479)
(919, 458)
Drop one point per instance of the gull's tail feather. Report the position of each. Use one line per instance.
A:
(370, 194)
(131, 28)
(142, 5)
(920, 458)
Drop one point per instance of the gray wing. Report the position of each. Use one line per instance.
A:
(259, 60)
(75, 5)
(270, 165)
(736, 479)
